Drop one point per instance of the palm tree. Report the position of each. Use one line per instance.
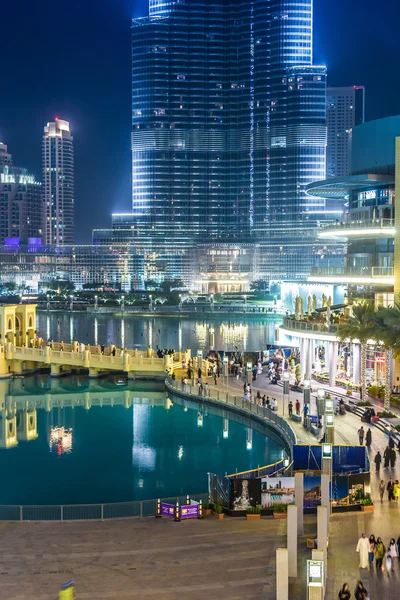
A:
(359, 326)
(387, 321)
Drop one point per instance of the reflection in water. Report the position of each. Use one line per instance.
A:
(73, 440)
(250, 335)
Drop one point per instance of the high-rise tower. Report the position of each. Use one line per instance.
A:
(345, 110)
(58, 183)
(229, 126)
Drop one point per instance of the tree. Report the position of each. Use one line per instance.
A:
(387, 332)
(359, 326)
(9, 286)
(160, 300)
(171, 284)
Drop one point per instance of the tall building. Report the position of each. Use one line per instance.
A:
(21, 216)
(58, 183)
(228, 128)
(345, 110)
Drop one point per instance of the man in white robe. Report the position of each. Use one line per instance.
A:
(363, 549)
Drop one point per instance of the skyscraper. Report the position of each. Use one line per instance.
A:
(228, 128)
(21, 217)
(58, 183)
(345, 110)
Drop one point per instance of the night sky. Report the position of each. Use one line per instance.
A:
(71, 58)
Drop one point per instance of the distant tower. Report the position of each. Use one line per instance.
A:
(345, 108)
(58, 183)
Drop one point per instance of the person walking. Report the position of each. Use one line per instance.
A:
(390, 489)
(394, 551)
(368, 438)
(290, 408)
(344, 593)
(360, 593)
(379, 553)
(396, 491)
(298, 409)
(392, 457)
(361, 435)
(382, 488)
(386, 456)
(388, 562)
(363, 549)
(372, 543)
(377, 461)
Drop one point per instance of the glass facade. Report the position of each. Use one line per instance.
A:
(228, 127)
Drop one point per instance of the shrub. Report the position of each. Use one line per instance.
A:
(349, 393)
(364, 403)
(374, 390)
(395, 400)
(206, 505)
(367, 501)
(217, 509)
(280, 508)
(386, 414)
(253, 510)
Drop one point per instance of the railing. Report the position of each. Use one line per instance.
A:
(353, 271)
(268, 470)
(89, 512)
(358, 224)
(251, 408)
(289, 323)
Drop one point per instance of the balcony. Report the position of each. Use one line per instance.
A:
(363, 228)
(357, 275)
(304, 326)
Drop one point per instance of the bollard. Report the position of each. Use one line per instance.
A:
(187, 499)
(200, 516)
(158, 515)
(177, 513)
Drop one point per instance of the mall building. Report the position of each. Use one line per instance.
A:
(371, 267)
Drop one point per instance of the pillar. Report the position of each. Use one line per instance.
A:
(356, 367)
(149, 352)
(325, 494)
(126, 362)
(317, 593)
(16, 366)
(333, 361)
(299, 496)
(322, 528)
(55, 370)
(307, 358)
(292, 539)
(282, 574)
(302, 354)
(93, 372)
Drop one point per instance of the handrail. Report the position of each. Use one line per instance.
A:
(251, 471)
(282, 427)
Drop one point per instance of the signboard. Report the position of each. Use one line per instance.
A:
(315, 573)
(190, 511)
(167, 510)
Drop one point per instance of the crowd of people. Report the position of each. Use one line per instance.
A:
(373, 549)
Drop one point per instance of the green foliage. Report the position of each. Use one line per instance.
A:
(373, 390)
(217, 508)
(170, 284)
(364, 403)
(386, 414)
(206, 505)
(367, 501)
(260, 286)
(253, 510)
(280, 508)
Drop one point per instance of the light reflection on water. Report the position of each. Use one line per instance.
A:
(75, 440)
(250, 335)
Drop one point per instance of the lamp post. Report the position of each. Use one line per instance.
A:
(286, 389)
(150, 302)
(180, 302)
(249, 370)
(71, 305)
(329, 422)
(212, 302)
(212, 337)
(96, 302)
(320, 402)
(48, 302)
(122, 303)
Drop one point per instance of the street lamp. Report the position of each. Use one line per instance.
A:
(180, 301)
(48, 302)
(212, 302)
(71, 306)
(151, 302)
(320, 401)
(286, 389)
(96, 303)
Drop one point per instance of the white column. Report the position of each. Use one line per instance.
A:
(325, 496)
(308, 359)
(299, 497)
(302, 354)
(282, 574)
(292, 539)
(333, 363)
(356, 363)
